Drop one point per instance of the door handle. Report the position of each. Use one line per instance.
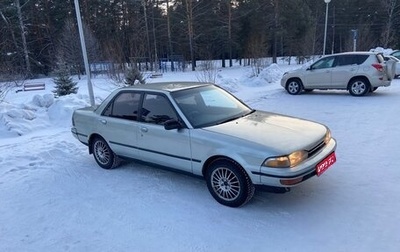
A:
(144, 129)
(103, 121)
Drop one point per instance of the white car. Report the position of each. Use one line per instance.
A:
(393, 58)
(357, 72)
(396, 54)
(201, 129)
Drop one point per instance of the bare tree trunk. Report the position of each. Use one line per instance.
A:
(389, 6)
(275, 43)
(230, 32)
(11, 30)
(157, 67)
(171, 49)
(24, 43)
(147, 35)
(189, 16)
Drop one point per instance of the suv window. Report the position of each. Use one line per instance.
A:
(323, 63)
(353, 59)
(125, 106)
(157, 109)
(360, 59)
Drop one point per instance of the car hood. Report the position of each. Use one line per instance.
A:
(281, 133)
(302, 69)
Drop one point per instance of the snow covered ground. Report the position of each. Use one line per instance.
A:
(54, 197)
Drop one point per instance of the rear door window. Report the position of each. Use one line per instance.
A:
(125, 106)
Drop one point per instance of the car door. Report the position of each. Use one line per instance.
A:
(345, 67)
(318, 74)
(169, 148)
(118, 123)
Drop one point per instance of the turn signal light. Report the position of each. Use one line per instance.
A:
(289, 182)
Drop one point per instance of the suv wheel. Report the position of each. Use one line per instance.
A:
(359, 87)
(294, 86)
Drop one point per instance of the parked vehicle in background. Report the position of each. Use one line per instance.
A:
(357, 72)
(396, 54)
(203, 130)
(393, 58)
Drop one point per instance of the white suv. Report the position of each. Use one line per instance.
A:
(357, 72)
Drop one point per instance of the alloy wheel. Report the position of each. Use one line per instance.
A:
(225, 183)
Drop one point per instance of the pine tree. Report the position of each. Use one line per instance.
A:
(133, 77)
(64, 83)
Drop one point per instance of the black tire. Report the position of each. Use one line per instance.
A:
(103, 154)
(228, 183)
(359, 87)
(294, 86)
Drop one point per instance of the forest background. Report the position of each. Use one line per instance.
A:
(36, 36)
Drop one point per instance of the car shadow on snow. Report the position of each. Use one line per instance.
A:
(342, 93)
(165, 183)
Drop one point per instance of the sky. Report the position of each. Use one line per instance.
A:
(54, 197)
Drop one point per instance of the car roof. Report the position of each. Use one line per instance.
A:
(357, 53)
(167, 86)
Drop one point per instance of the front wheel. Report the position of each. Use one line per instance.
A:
(228, 183)
(294, 87)
(359, 87)
(103, 154)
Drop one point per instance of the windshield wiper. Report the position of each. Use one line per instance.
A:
(235, 117)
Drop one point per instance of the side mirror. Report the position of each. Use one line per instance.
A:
(172, 124)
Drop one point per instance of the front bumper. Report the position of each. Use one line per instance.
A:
(287, 177)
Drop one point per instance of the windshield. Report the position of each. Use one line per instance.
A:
(209, 105)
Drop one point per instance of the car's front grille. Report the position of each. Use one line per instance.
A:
(313, 151)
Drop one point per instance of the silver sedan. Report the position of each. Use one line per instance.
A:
(201, 129)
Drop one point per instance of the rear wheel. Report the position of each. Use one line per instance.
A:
(294, 86)
(228, 183)
(103, 154)
(359, 87)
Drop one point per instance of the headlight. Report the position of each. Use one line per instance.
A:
(327, 136)
(290, 160)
